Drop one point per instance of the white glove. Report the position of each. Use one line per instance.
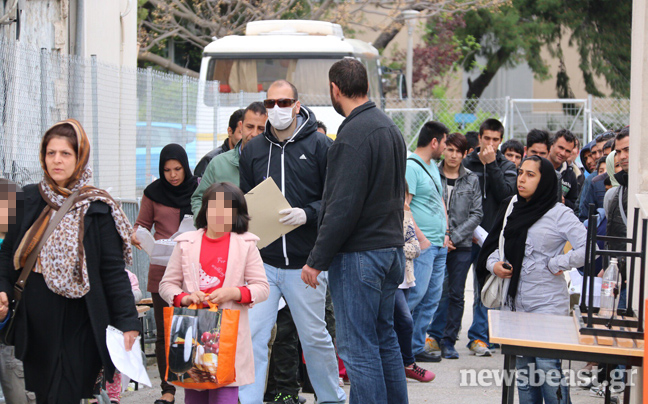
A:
(294, 216)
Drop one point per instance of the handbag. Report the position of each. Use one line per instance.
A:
(493, 294)
(200, 346)
(8, 333)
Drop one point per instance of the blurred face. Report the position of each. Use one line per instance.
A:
(589, 161)
(528, 179)
(601, 168)
(490, 138)
(538, 149)
(438, 147)
(575, 152)
(60, 160)
(7, 208)
(252, 125)
(513, 157)
(597, 152)
(220, 214)
(173, 172)
(622, 148)
(560, 151)
(617, 164)
(453, 156)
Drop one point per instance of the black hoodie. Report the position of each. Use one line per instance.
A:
(298, 167)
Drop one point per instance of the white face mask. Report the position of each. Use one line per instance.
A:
(280, 118)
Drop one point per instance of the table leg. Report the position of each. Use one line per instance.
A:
(508, 392)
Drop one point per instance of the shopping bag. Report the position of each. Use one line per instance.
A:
(200, 346)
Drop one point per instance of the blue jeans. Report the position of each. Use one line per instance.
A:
(447, 319)
(532, 370)
(363, 285)
(403, 325)
(479, 328)
(429, 269)
(307, 309)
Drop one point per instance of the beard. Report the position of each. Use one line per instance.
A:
(337, 106)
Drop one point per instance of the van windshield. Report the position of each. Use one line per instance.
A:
(246, 75)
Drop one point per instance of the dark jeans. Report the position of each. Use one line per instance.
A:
(363, 285)
(458, 266)
(404, 325)
(158, 312)
(284, 360)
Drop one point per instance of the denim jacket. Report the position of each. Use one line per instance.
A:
(464, 207)
(541, 288)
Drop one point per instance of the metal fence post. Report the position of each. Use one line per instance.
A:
(184, 110)
(149, 118)
(95, 118)
(589, 109)
(216, 104)
(43, 89)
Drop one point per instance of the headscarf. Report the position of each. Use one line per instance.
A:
(161, 190)
(66, 273)
(524, 215)
(609, 168)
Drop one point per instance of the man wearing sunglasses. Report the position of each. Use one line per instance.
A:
(293, 153)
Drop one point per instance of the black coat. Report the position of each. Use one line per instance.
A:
(110, 300)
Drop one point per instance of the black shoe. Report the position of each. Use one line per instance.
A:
(448, 351)
(427, 357)
(282, 398)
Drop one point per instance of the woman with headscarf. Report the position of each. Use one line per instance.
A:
(78, 285)
(165, 203)
(537, 228)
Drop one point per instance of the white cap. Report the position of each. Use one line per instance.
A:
(613, 260)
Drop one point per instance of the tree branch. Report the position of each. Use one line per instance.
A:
(166, 63)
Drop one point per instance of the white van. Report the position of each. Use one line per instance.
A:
(295, 50)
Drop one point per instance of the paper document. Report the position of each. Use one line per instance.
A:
(129, 363)
(480, 234)
(159, 251)
(264, 203)
(186, 225)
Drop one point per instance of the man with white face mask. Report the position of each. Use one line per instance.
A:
(293, 153)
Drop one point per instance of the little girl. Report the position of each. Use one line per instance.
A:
(219, 263)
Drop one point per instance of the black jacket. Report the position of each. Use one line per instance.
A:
(204, 162)
(464, 207)
(110, 300)
(362, 207)
(497, 181)
(568, 185)
(298, 167)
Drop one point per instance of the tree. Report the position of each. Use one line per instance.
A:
(517, 32)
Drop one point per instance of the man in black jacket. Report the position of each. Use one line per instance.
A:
(497, 181)
(293, 153)
(360, 239)
(561, 148)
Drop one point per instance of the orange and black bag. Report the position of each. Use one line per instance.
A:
(200, 346)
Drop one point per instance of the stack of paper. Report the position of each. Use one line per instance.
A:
(160, 251)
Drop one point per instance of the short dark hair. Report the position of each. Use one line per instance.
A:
(459, 141)
(538, 136)
(65, 131)
(321, 125)
(473, 139)
(232, 193)
(235, 118)
(565, 134)
(600, 161)
(604, 137)
(493, 125)
(609, 144)
(256, 107)
(623, 133)
(350, 76)
(514, 145)
(286, 83)
(431, 130)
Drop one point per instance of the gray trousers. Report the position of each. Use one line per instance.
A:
(12, 378)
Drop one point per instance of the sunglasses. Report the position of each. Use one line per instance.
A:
(282, 102)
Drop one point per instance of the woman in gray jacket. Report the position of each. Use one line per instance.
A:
(535, 234)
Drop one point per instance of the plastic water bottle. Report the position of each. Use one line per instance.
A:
(607, 289)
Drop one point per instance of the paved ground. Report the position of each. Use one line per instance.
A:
(445, 388)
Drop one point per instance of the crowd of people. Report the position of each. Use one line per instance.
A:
(373, 277)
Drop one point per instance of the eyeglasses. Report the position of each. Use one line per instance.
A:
(282, 102)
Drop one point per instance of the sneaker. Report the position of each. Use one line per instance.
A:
(479, 348)
(431, 345)
(417, 373)
(599, 391)
(427, 357)
(282, 398)
(449, 352)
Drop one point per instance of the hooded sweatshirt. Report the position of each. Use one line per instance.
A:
(298, 167)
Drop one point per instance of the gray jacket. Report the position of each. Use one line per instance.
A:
(540, 289)
(464, 207)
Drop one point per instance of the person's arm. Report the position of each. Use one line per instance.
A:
(412, 248)
(572, 230)
(145, 215)
(493, 259)
(467, 227)
(346, 183)
(501, 180)
(246, 176)
(171, 283)
(255, 277)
